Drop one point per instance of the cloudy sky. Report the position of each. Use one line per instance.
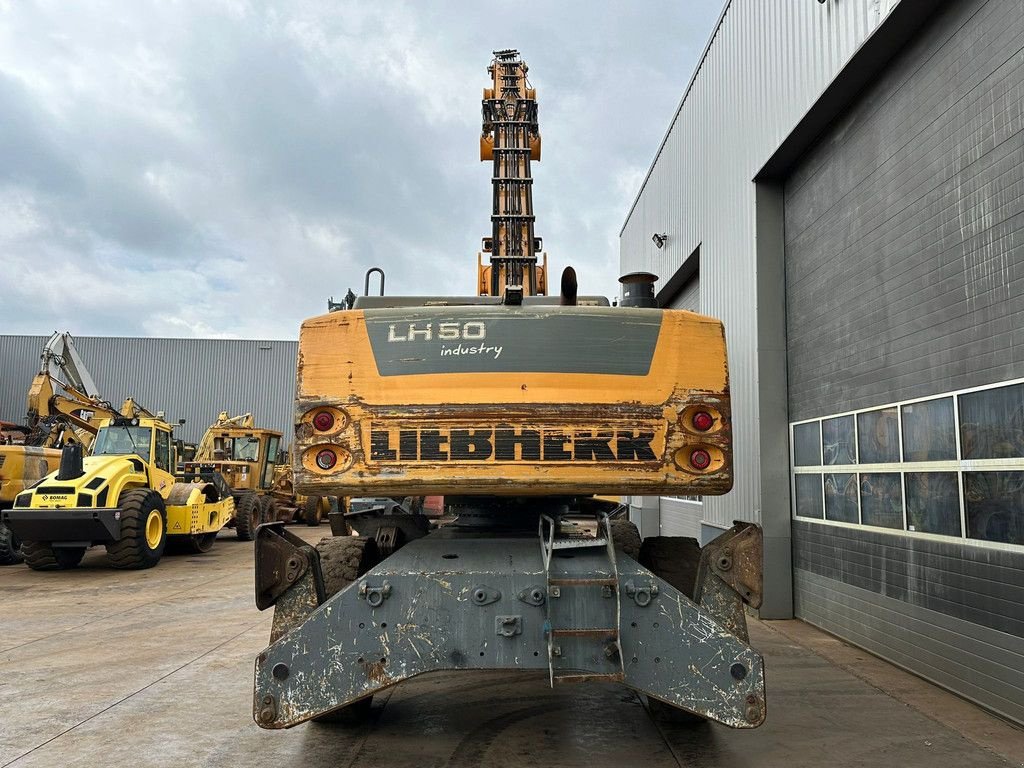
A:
(218, 168)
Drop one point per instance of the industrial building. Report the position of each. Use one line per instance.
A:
(842, 185)
(238, 376)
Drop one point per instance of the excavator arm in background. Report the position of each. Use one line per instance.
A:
(242, 421)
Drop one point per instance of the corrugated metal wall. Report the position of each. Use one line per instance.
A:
(904, 234)
(765, 66)
(192, 379)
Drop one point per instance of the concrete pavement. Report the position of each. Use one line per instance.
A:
(154, 668)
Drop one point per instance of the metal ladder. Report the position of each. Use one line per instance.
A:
(573, 593)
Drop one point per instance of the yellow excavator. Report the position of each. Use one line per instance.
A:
(63, 406)
(521, 410)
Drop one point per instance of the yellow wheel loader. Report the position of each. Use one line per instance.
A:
(123, 496)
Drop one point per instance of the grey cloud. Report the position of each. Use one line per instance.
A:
(223, 167)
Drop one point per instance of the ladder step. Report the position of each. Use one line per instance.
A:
(609, 633)
(610, 581)
(586, 677)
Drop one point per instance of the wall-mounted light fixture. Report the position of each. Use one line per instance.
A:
(659, 239)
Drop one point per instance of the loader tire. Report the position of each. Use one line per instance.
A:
(313, 510)
(143, 530)
(674, 559)
(247, 516)
(268, 509)
(40, 556)
(626, 537)
(10, 547)
(343, 559)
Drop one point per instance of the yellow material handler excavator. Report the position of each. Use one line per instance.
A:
(520, 409)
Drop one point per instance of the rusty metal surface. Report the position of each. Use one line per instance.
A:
(514, 428)
(282, 559)
(424, 618)
(729, 576)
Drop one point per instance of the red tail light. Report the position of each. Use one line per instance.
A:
(699, 459)
(323, 421)
(326, 459)
(703, 421)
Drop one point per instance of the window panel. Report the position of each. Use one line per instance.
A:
(808, 496)
(994, 503)
(268, 470)
(992, 423)
(881, 499)
(841, 497)
(837, 441)
(163, 450)
(933, 502)
(807, 444)
(878, 436)
(928, 431)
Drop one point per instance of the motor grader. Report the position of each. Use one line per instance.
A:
(245, 458)
(521, 410)
(124, 496)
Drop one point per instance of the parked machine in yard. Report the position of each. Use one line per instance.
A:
(63, 405)
(124, 496)
(520, 410)
(244, 458)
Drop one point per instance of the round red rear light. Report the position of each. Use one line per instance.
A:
(326, 459)
(323, 421)
(703, 421)
(700, 459)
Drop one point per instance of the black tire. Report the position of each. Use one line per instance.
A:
(10, 547)
(313, 511)
(200, 543)
(268, 509)
(40, 556)
(343, 559)
(247, 516)
(626, 537)
(674, 559)
(139, 546)
(663, 712)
